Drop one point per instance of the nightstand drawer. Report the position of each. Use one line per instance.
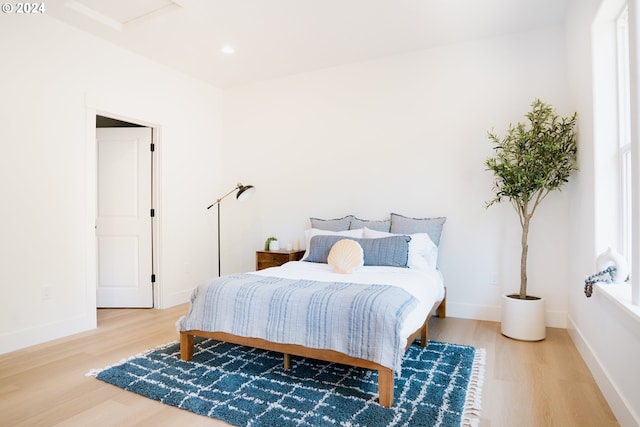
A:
(266, 259)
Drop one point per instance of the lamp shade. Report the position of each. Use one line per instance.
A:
(245, 192)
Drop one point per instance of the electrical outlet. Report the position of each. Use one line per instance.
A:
(46, 292)
(493, 280)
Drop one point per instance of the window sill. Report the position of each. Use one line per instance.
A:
(620, 295)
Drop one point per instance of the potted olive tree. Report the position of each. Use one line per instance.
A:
(528, 163)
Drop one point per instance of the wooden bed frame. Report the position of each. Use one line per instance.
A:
(385, 375)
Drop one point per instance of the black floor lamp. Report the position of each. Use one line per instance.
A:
(244, 192)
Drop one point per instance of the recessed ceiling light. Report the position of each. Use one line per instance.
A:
(228, 50)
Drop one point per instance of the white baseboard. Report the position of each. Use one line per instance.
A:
(554, 319)
(175, 299)
(17, 340)
(618, 404)
(39, 334)
(475, 312)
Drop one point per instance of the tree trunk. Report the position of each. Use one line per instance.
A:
(523, 257)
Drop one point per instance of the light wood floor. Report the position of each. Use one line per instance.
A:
(526, 384)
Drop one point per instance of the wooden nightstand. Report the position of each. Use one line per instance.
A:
(266, 259)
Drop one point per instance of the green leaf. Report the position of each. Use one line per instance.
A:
(531, 160)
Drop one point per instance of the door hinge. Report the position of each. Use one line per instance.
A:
(153, 213)
(153, 278)
(153, 147)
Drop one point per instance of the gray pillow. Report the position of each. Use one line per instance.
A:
(401, 224)
(357, 223)
(338, 224)
(386, 251)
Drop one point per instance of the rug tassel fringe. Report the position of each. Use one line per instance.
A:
(473, 401)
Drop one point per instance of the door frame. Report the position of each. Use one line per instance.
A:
(91, 198)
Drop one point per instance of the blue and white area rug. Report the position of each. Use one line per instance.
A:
(440, 385)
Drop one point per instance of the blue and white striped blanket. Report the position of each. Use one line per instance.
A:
(359, 320)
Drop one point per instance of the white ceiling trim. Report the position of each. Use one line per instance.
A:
(94, 15)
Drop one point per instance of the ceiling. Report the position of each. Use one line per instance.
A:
(275, 38)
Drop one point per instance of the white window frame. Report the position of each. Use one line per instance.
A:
(624, 133)
(634, 92)
(616, 160)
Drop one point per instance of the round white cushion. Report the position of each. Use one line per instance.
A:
(345, 255)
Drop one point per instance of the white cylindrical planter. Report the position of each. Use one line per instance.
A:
(523, 319)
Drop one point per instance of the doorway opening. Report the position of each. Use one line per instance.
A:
(125, 214)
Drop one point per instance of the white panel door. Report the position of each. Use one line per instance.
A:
(123, 225)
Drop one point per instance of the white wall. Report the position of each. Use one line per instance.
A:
(608, 338)
(403, 134)
(53, 81)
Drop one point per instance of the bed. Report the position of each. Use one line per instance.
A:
(367, 318)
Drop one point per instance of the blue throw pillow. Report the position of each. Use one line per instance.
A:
(390, 251)
(320, 246)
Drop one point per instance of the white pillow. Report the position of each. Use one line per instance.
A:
(423, 253)
(309, 233)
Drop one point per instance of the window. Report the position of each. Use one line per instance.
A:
(624, 130)
(616, 46)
